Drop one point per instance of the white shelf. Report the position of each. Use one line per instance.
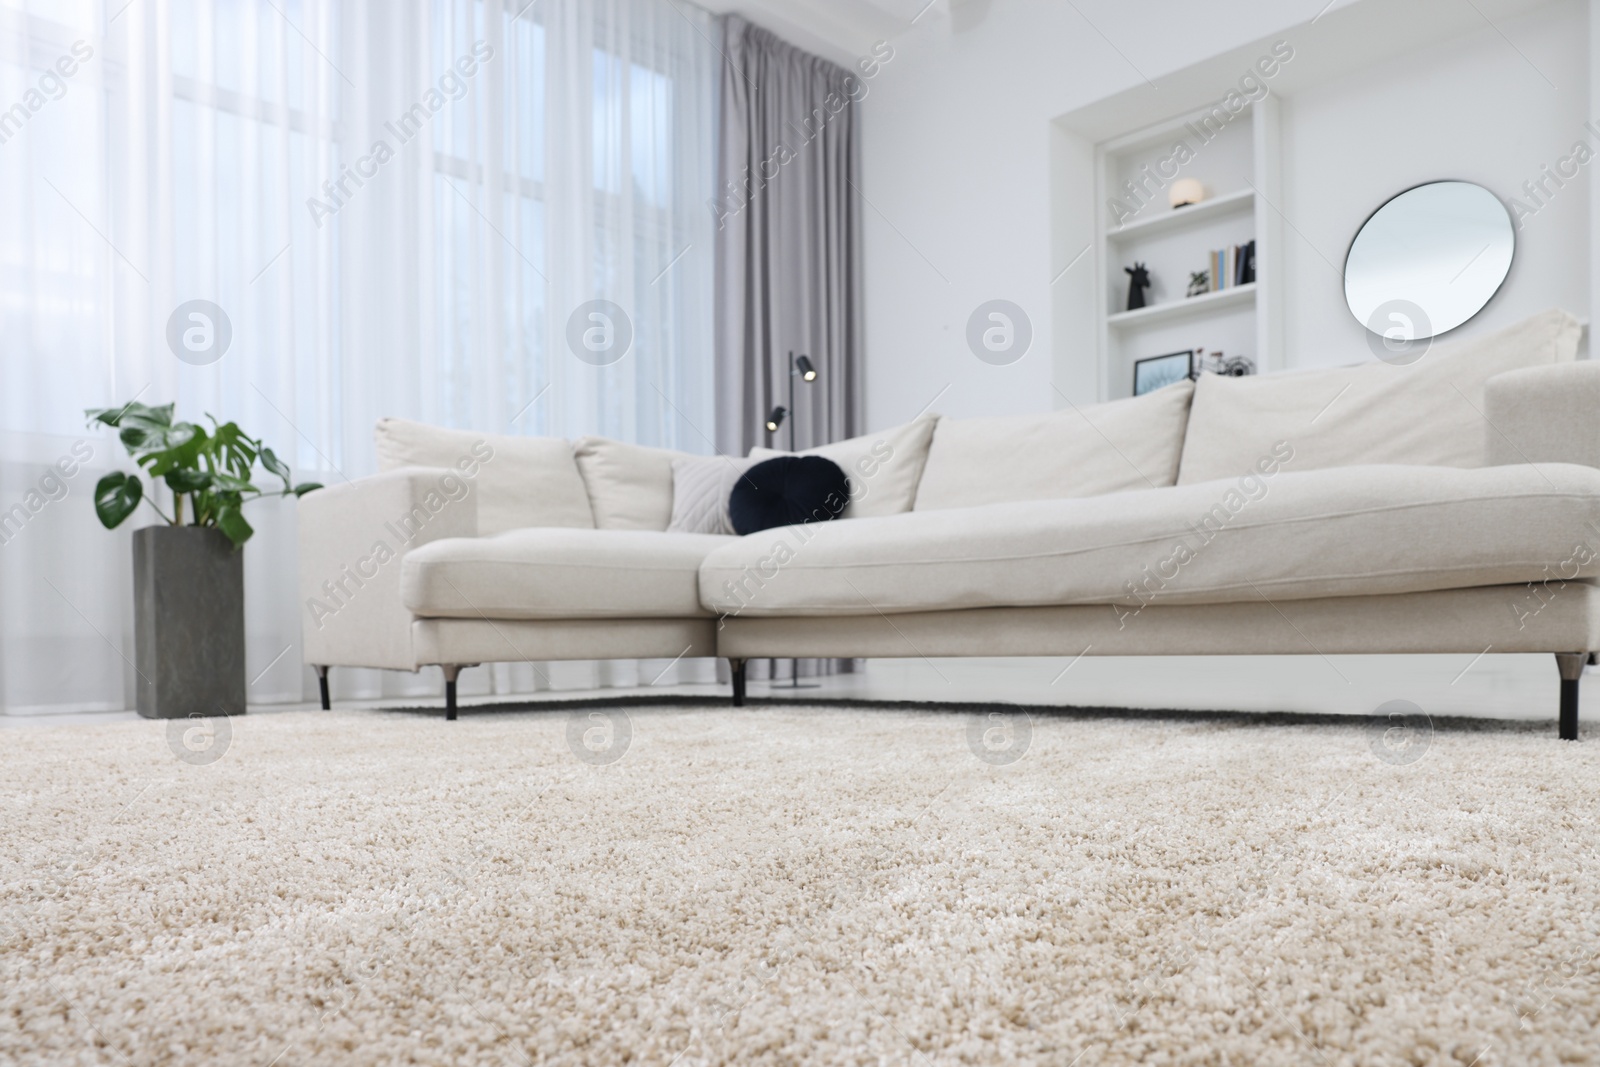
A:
(1179, 217)
(1242, 162)
(1179, 309)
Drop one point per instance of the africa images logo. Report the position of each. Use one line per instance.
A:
(199, 740)
(599, 332)
(199, 332)
(999, 332)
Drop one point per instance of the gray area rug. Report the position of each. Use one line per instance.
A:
(787, 884)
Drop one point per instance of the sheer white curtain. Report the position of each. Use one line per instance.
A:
(397, 206)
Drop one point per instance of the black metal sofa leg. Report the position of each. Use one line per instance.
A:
(737, 667)
(451, 670)
(1571, 665)
(322, 684)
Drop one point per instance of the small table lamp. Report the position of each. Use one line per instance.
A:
(1186, 191)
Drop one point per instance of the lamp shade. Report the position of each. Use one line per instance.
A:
(807, 371)
(1186, 191)
(775, 419)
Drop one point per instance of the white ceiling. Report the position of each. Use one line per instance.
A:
(845, 30)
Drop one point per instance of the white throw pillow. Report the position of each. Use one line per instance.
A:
(630, 486)
(520, 481)
(1429, 413)
(701, 488)
(1085, 451)
(883, 468)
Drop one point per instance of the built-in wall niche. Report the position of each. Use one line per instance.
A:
(1142, 172)
(1229, 329)
(1171, 252)
(1232, 158)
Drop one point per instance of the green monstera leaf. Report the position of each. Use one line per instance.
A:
(231, 521)
(133, 413)
(182, 451)
(115, 497)
(270, 460)
(187, 480)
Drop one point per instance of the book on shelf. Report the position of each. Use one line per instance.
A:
(1233, 266)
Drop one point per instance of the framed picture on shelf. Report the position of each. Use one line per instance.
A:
(1160, 371)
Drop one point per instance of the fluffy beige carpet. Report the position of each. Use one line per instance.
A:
(768, 886)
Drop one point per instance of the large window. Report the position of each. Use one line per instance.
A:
(182, 165)
(153, 154)
(594, 186)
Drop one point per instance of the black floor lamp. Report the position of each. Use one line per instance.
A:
(799, 367)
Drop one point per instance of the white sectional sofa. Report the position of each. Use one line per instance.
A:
(1448, 506)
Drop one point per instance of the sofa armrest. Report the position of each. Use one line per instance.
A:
(352, 539)
(1544, 415)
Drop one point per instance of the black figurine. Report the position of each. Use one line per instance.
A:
(1136, 287)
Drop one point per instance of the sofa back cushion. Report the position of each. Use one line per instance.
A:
(1086, 451)
(883, 468)
(520, 481)
(1428, 413)
(630, 486)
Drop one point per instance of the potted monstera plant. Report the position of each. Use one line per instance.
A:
(188, 575)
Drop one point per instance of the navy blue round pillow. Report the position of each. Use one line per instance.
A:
(786, 491)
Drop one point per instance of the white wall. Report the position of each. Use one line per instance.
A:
(957, 147)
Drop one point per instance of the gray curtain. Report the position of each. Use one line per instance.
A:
(788, 236)
(788, 257)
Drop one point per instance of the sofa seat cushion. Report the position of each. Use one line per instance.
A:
(558, 574)
(1277, 535)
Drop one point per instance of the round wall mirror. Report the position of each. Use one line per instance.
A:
(1428, 260)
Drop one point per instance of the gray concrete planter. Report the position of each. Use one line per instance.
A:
(188, 622)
